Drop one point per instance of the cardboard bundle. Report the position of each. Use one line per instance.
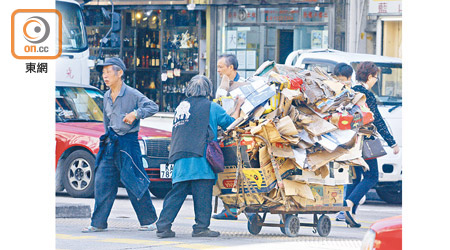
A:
(306, 129)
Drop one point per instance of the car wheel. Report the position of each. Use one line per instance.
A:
(391, 196)
(78, 174)
(160, 193)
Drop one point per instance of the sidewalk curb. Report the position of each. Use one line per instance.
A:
(67, 210)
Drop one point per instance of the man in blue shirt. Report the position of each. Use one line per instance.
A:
(227, 66)
(119, 156)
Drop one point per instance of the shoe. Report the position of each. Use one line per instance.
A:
(340, 216)
(91, 229)
(224, 215)
(349, 218)
(165, 234)
(205, 233)
(151, 227)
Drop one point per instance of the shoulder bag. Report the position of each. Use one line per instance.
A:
(372, 148)
(214, 154)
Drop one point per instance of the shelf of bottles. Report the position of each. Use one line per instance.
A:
(160, 49)
(180, 54)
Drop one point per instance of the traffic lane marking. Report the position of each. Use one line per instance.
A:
(71, 237)
(139, 242)
(130, 241)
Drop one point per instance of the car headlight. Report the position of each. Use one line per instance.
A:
(143, 147)
(368, 240)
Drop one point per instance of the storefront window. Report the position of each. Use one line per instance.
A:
(311, 37)
(244, 43)
(161, 48)
(279, 15)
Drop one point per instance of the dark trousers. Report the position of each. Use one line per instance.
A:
(359, 188)
(107, 178)
(202, 197)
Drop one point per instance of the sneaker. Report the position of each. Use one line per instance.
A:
(165, 234)
(340, 216)
(224, 215)
(91, 229)
(205, 233)
(151, 227)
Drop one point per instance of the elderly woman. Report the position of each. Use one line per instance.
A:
(367, 76)
(195, 118)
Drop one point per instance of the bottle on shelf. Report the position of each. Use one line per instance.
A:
(147, 41)
(153, 43)
(143, 61)
(157, 40)
(152, 83)
(157, 59)
(153, 59)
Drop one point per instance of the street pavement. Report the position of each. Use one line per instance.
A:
(123, 234)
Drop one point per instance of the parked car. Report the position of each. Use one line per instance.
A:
(385, 234)
(388, 91)
(79, 124)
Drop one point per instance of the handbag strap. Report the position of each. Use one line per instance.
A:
(209, 134)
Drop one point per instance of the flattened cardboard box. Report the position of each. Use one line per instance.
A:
(250, 199)
(333, 196)
(262, 179)
(317, 192)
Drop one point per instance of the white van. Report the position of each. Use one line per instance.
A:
(388, 91)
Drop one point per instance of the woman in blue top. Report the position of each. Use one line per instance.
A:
(192, 172)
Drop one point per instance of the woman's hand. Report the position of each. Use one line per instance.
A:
(396, 149)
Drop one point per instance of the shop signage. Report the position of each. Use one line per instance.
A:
(311, 15)
(280, 15)
(385, 7)
(242, 15)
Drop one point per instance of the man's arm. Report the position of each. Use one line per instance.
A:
(146, 107)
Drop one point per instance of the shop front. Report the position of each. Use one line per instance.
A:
(257, 31)
(163, 46)
(388, 18)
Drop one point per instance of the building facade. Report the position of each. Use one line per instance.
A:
(165, 43)
(375, 27)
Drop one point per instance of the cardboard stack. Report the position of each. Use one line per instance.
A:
(300, 131)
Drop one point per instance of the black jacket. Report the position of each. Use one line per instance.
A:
(190, 125)
(378, 119)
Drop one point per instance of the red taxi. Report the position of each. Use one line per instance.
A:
(79, 124)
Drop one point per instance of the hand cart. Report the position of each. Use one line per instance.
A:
(289, 221)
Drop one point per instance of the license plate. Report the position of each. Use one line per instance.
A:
(165, 171)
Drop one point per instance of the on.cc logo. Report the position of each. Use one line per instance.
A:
(36, 30)
(36, 34)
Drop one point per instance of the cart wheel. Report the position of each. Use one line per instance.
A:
(252, 224)
(324, 225)
(292, 225)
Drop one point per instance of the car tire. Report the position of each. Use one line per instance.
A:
(160, 193)
(78, 174)
(391, 196)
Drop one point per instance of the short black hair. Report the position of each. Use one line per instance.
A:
(343, 69)
(230, 59)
